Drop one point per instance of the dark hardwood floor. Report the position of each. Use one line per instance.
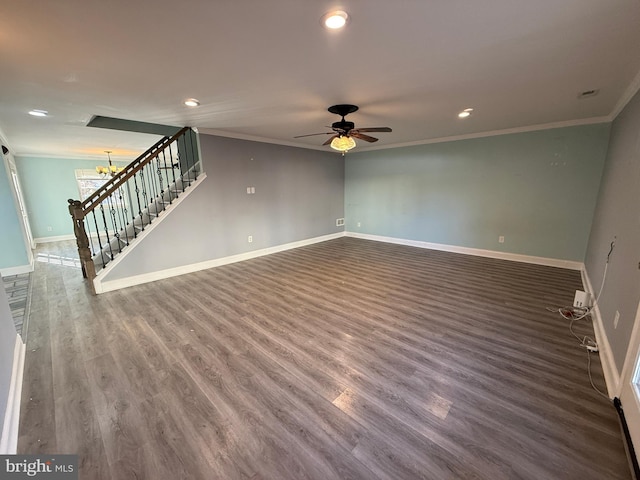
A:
(347, 359)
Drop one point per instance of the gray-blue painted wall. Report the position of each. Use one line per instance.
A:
(537, 189)
(618, 214)
(299, 194)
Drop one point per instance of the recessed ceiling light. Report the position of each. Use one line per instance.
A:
(38, 113)
(465, 113)
(336, 19)
(192, 102)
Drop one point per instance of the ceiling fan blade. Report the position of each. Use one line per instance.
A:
(330, 140)
(374, 129)
(362, 136)
(313, 134)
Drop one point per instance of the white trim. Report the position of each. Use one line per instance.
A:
(9, 439)
(255, 138)
(632, 349)
(514, 257)
(490, 133)
(493, 133)
(611, 374)
(97, 282)
(217, 262)
(626, 97)
(629, 397)
(57, 238)
(19, 270)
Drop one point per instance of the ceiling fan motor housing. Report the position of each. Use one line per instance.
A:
(343, 125)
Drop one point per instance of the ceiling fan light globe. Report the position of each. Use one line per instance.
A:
(343, 143)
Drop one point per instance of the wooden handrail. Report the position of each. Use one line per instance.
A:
(121, 177)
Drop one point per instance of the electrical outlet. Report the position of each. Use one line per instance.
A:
(250, 239)
(501, 239)
(339, 222)
(359, 224)
(616, 319)
(49, 229)
(248, 190)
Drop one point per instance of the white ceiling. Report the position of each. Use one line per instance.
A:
(267, 70)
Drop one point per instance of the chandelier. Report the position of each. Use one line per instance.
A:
(109, 171)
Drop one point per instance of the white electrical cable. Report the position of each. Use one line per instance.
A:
(568, 312)
(591, 379)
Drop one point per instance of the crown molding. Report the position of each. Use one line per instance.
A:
(254, 138)
(628, 94)
(493, 133)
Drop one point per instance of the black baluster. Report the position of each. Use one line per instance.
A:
(133, 219)
(173, 169)
(122, 217)
(193, 152)
(137, 190)
(106, 231)
(93, 250)
(160, 182)
(123, 205)
(95, 220)
(116, 233)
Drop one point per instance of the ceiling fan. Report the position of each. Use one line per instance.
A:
(344, 132)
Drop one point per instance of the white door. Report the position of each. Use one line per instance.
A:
(630, 389)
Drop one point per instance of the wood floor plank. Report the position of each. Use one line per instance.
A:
(347, 359)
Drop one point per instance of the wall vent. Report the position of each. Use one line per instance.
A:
(588, 93)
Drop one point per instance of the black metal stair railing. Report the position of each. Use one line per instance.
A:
(114, 215)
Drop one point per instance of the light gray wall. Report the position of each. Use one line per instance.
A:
(618, 214)
(538, 189)
(7, 343)
(299, 195)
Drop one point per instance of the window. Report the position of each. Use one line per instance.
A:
(89, 181)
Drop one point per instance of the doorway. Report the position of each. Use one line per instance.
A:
(22, 208)
(630, 385)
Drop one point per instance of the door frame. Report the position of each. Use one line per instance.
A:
(20, 205)
(630, 384)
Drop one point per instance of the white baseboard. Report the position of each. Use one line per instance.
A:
(611, 374)
(514, 257)
(9, 438)
(108, 286)
(19, 270)
(57, 238)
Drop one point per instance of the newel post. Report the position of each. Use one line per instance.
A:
(88, 268)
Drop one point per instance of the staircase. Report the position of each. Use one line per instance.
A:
(115, 215)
